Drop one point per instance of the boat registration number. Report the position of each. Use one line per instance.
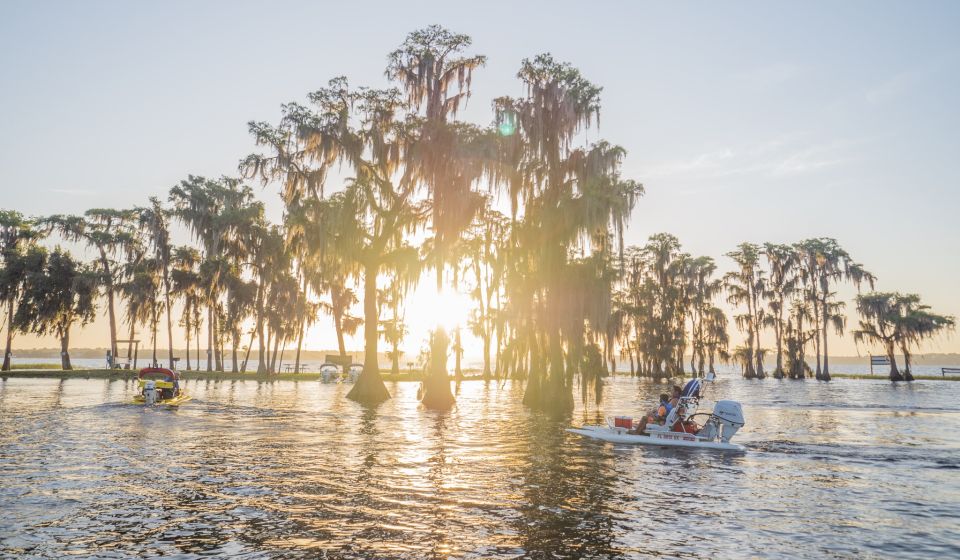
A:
(677, 437)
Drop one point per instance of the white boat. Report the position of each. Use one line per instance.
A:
(334, 373)
(680, 428)
(329, 373)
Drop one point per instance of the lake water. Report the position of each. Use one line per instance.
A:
(847, 469)
(622, 367)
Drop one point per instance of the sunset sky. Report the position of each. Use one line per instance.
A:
(746, 121)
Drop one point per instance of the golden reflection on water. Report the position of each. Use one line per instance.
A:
(291, 469)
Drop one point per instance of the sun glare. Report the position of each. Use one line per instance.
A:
(448, 309)
(429, 309)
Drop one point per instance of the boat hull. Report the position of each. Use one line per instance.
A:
(175, 401)
(663, 439)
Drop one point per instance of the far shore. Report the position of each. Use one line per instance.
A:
(404, 375)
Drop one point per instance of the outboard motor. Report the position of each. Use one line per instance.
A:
(729, 416)
(150, 392)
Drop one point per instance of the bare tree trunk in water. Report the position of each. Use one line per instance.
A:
(895, 374)
(557, 397)
(486, 355)
(233, 352)
(111, 313)
(436, 383)
(341, 347)
(166, 303)
(209, 336)
(246, 355)
(261, 348)
(65, 351)
(907, 374)
(369, 388)
(130, 356)
(273, 355)
(217, 342)
(826, 359)
(816, 318)
(458, 350)
(196, 338)
(296, 364)
(9, 346)
(187, 331)
(154, 322)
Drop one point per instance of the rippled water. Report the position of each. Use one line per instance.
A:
(285, 469)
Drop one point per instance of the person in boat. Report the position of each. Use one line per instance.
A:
(681, 425)
(657, 415)
(675, 393)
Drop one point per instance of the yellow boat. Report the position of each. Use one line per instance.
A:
(165, 391)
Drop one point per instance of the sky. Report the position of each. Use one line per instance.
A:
(745, 121)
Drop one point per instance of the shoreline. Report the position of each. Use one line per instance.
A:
(407, 376)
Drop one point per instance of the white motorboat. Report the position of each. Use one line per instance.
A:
(680, 428)
(334, 373)
(329, 373)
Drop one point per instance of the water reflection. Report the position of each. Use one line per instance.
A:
(283, 469)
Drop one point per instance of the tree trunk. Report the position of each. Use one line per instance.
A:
(187, 331)
(458, 354)
(894, 371)
(217, 342)
(778, 332)
(907, 374)
(166, 301)
(557, 397)
(395, 360)
(436, 383)
(234, 367)
(65, 350)
(273, 356)
(209, 336)
(154, 322)
(338, 327)
(825, 376)
(369, 388)
(816, 330)
(758, 356)
(196, 339)
(130, 356)
(246, 355)
(111, 313)
(296, 363)
(7, 352)
(487, 373)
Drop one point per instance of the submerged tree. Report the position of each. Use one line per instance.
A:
(797, 334)
(571, 199)
(823, 264)
(897, 321)
(16, 238)
(58, 293)
(365, 223)
(918, 323)
(745, 286)
(154, 222)
(782, 282)
(185, 286)
(216, 212)
(107, 231)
